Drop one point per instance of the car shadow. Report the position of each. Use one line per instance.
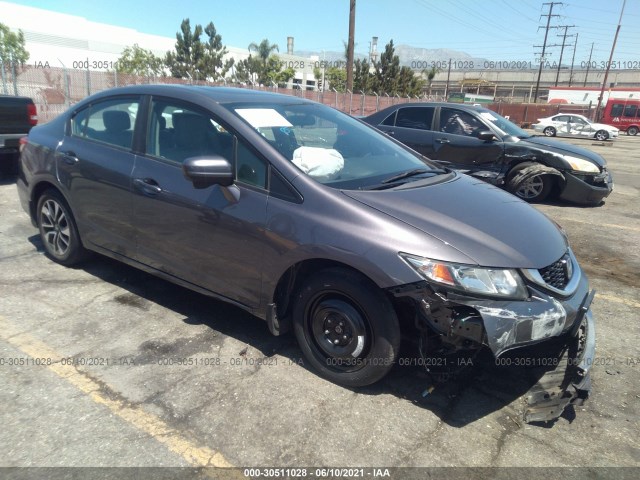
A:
(470, 394)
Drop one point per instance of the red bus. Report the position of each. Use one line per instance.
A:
(622, 113)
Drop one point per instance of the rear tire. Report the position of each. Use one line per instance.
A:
(346, 327)
(549, 132)
(533, 189)
(58, 230)
(601, 135)
(633, 131)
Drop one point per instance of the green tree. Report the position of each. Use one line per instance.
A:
(408, 83)
(136, 60)
(213, 64)
(361, 76)
(431, 73)
(189, 52)
(12, 46)
(387, 70)
(248, 69)
(196, 59)
(337, 78)
(264, 50)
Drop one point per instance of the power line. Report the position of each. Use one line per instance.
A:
(544, 45)
(564, 39)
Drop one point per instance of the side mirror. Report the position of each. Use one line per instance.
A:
(206, 171)
(486, 135)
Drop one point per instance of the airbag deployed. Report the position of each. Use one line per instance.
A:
(319, 163)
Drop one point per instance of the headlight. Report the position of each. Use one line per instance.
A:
(497, 282)
(581, 165)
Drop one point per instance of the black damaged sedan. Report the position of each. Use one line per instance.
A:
(481, 143)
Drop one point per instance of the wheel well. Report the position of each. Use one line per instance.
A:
(555, 179)
(38, 190)
(295, 275)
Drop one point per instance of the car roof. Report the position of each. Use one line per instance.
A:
(221, 95)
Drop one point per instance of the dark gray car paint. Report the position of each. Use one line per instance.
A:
(237, 242)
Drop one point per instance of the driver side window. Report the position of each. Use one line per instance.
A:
(458, 122)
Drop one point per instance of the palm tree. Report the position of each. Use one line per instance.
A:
(430, 75)
(264, 50)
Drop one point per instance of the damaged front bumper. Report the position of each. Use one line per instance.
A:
(587, 189)
(512, 327)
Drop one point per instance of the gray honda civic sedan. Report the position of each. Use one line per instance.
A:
(314, 222)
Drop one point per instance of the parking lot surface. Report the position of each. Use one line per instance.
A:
(106, 366)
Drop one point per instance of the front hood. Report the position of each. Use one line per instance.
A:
(598, 126)
(563, 148)
(489, 225)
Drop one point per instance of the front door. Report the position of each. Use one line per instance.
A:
(211, 237)
(456, 145)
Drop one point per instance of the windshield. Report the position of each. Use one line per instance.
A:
(332, 147)
(502, 124)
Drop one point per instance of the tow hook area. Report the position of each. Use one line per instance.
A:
(569, 382)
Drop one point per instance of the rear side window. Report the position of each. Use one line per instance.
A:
(109, 121)
(617, 109)
(630, 110)
(419, 118)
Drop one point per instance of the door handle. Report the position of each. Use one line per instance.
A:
(147, 185)
(70, 158)
(391, 133)
(443, 140)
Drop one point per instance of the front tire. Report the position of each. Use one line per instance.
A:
(58, 230)
(633, 131)
(602, 135)
(534, 189)
(346, 327)
(549, 132)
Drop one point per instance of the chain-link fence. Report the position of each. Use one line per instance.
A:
(54, 89)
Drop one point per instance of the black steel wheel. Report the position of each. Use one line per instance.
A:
(58, 229)
(346, 327)
(549, 132)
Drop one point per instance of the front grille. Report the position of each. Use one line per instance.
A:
(558, 274)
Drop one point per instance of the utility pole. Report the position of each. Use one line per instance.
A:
(564, 39)
(544, 45)
(588, 66)
(573, 59)
(352, 30)
(606, 73)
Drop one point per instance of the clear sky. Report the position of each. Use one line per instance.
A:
(494, 29)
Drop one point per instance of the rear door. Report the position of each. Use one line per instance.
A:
(94, 162)
(455, 142)
(210, 237)
(413, 127)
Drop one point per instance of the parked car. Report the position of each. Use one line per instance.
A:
(17, 116)
(572, 125)
(480, 142)
(313, 221)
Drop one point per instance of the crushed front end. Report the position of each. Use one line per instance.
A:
(550, 326)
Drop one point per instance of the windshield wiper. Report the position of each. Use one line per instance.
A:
(412, 173)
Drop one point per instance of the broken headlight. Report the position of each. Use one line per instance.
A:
(581, 165)
(495, 282)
